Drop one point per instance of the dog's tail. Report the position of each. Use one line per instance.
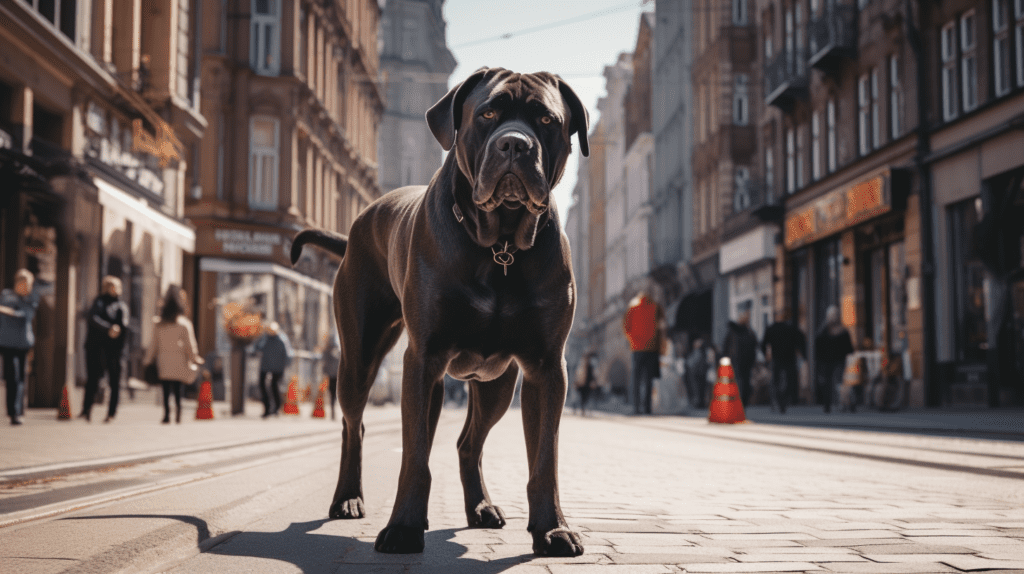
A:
(329, 240)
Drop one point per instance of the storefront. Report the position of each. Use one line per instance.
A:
(980, 282)
(249, 264)
(746, 263)
(850, 248)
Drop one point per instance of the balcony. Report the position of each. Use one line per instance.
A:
(833, 36)
(785, 79)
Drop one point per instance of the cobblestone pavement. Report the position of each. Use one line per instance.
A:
(675, 494)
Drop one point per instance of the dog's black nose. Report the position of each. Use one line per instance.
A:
(513, 144)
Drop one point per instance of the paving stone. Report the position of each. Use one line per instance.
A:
(913, 548)
(669, 558)
(918, 558)
(875, 568)
(609, 569)
(953, 532)
(855, 542)
(974, 563)
(967, 541)
(873, 534)
(761, 536)
(762, 567)
(821, 556)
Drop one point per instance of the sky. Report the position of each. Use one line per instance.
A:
(542, 41)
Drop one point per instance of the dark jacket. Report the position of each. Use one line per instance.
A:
(106, 311)
(277, 353)
(831, 348)
(785, 341)
(331, 359)
(740, 346)
(16, 331)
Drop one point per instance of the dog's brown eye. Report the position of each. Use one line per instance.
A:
(489, 114)
(545, 120)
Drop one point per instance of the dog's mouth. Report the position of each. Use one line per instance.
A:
(510, 192)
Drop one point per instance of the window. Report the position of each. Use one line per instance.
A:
(968, 61)
(266, 41)
(739, 12)
(876, 128)
(769, 174)
(1018, 35)
(790, 160)
(790, 54)
(895, 98)
(830, 135)
(303, 41)
(863, 113)
(60, 13)
(741, 101)
(741, 195)
(815, 146)
(221, 136)
(263, 146)
(801, 61)
(801, 151)
(949, 106)
(1000, 47)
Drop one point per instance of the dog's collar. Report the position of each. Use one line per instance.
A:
(502, 256)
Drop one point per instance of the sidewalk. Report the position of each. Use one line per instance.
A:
(45, 443)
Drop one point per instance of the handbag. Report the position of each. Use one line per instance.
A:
(150, 374)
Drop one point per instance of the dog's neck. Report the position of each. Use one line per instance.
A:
(485, 228)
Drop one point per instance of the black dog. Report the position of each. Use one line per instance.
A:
(476, 267)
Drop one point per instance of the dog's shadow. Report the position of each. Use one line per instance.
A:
(315, 552)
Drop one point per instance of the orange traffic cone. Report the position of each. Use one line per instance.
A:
(291, 402)
(318, 408)
(64, 412)
(726, 406)
(205, 409)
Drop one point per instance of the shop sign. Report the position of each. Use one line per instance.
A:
(137, 154)
(753, 246)
(839, 210)
(246, 242)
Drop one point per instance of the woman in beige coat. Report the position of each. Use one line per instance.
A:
(174, 349)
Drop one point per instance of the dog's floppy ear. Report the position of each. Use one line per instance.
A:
(580, 124)
(445, 117)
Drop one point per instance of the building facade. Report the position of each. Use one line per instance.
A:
(973, 53)
(294, 104)
(417, 64)
(838, 141)
(99, 104)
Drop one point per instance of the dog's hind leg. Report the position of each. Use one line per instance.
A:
(356, 375)
(488, 402)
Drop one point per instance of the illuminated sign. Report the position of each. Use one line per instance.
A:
(165, 145)
(838, 210)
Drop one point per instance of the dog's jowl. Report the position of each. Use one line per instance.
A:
(476, 268)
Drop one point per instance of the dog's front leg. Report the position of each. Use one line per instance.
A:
(422, 395)
(543, 398)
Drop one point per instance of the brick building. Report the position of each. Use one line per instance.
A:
(294, 104)
(99, 127)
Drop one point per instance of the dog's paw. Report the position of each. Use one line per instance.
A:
(349, 508)
(398, 539)
(557, 542)
(486, 515)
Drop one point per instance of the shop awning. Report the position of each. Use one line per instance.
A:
(139, 211)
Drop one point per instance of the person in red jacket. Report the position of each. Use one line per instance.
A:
(643, 326)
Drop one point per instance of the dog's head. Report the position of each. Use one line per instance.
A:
(512, 136)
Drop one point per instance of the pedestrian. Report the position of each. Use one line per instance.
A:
(643, 325)
(277, 353)
(586, 381)
(174, 349)
(17, 310)
(331, 359)
(696, 374)
(740, 346)
(781, 344)
(107, 324)
(831, 347)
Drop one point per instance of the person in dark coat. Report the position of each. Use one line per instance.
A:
(831, 347)
(586, 380)
(331, 359)
(781, 344)
(17, 310)
(697, 365)
(277, 354)
(104, 344)
(740, 346)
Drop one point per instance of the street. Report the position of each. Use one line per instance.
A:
(654, 494)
